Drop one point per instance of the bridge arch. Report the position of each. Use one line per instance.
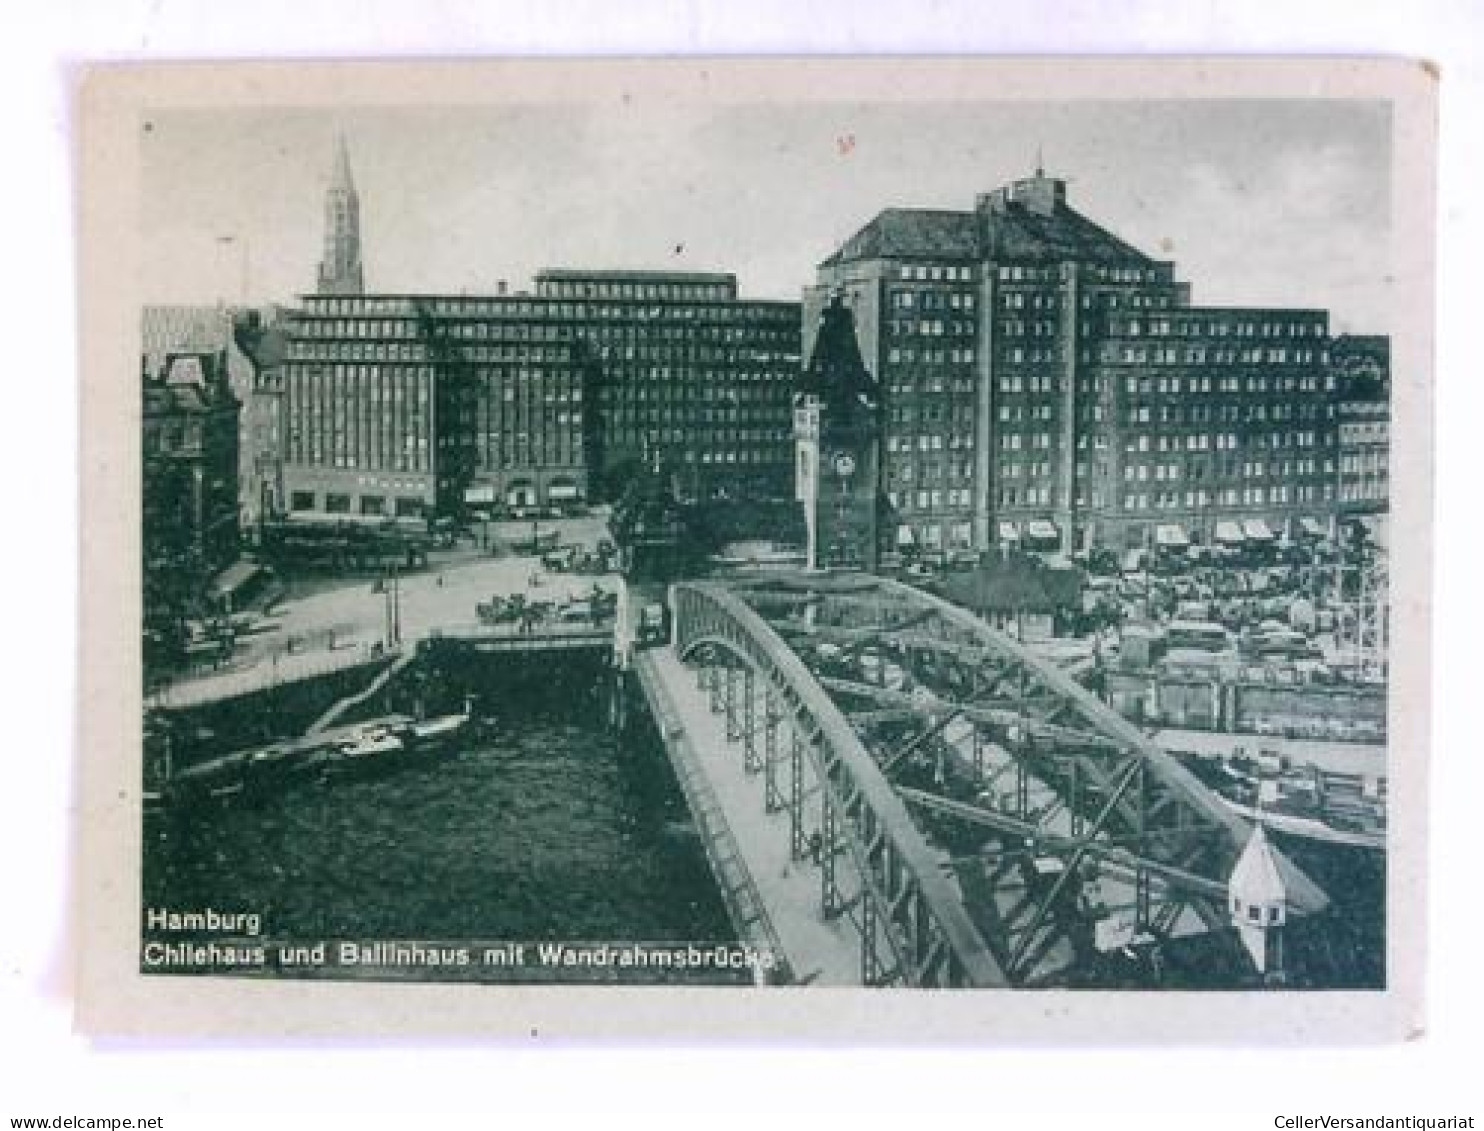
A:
(912, 925)
(1067, 828)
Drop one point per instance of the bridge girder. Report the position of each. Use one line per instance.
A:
(913, 928)
(1076, 782)
(873, 607)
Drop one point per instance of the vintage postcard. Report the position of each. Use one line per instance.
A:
(861, 549)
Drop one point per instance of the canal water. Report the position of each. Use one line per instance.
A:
(549, 827)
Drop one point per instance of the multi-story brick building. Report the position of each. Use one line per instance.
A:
(167, 330)
(408, 405)
(259, 335)
(1046, 383)
(1362, 367)
(189, 519)
(686, 371)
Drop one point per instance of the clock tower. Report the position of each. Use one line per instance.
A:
(837, 433)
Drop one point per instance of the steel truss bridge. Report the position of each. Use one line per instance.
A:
(979, 817)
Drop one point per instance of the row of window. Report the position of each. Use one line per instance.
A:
(930, 500)
(1227, 441)
(1282, 495)
(912, 355)
(1027, 497)
(929, 442)
(933, 300)
(935, 272)
(1114, 353)
(1247, 469)
(610, 289)
(1202, 326)
(1364, 433)
(336, 502)
(929, 471)
(1176, 384)
(931, 327)
(774, 398)
(1370, 490)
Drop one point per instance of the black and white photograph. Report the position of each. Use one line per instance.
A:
(594, 536)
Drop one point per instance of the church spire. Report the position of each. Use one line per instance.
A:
(340, 268)
(342, 181)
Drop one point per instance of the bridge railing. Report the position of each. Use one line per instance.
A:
(905, 895)
(745, 905)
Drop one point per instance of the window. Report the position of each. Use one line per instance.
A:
(373, 504)
(302, 501)
(337, 504)
(409, 507)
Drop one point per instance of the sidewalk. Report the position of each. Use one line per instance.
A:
(820, 953)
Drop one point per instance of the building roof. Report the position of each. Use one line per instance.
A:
(188, 383)
(570, 274)
(1256, 879)
(1003, 227)
(166, 329)
(899, 233)
(836, 372)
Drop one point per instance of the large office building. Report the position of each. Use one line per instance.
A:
(1046, 383)
(686, 373)
(403, 405)
(400, 406)
(407, 406)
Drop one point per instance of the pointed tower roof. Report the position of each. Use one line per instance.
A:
(1256, 879)
(836, 372)
(341, 179)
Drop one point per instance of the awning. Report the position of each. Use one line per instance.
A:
(562, 491)
(1042, 530)
(235, 576)
(904, 536)
(1230, 533)
(1257, 530)
(1311, 527)
(1009, 532)
(1171, 534)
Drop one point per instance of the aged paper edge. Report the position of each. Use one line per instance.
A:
(115, 1000)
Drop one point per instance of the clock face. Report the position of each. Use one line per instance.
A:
(844, 463)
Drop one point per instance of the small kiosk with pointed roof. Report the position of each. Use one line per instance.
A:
(1258, 900)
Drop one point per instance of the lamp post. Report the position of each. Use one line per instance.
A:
(396, 596)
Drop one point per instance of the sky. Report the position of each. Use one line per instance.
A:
(1263, 203)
